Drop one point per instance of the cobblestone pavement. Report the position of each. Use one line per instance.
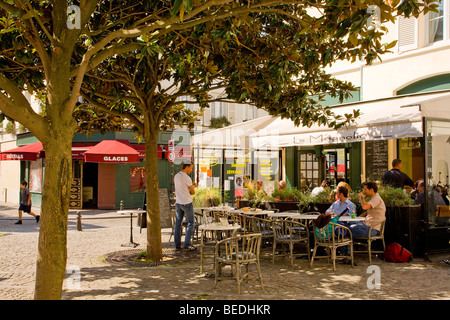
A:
(104, 232)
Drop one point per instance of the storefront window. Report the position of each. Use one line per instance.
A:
(309, 170)
(337, 165)
(35, 178)
(137, 179)
(266, 168)
(208, 165)
(437, 165)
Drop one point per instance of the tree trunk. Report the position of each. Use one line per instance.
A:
(57, 142)
(52, 249)
(154, 244)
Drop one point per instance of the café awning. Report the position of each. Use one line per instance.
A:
(112, 151)
(29, 152)
(234, 136)
(383, 119)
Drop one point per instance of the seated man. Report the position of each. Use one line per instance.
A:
(376, 212)
(339, 206)
(420, 199)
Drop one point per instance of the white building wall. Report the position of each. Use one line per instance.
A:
(9, 176)
(397, 69)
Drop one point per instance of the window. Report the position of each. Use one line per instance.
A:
(249, 112)
(407, 34)
(219, 109)
(438, 23)
(309, 170)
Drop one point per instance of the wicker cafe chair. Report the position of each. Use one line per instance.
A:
(331, 237)
(290, 232)
(237, 252)
(367, 241)
(262, 226)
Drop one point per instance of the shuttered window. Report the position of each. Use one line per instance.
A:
(407, 34)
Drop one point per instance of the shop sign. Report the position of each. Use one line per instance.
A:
(115, 159)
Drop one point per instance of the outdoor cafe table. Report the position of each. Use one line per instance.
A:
(253, 212)
(300, 216)
(219, 229)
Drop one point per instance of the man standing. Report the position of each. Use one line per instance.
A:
(376, 212)
(25, 202)
(184, 188)
(395, 177)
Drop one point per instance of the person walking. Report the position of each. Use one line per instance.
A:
(184, 188)
(395, 177)
(25, 203)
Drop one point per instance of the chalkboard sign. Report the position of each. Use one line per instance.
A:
(376, 159)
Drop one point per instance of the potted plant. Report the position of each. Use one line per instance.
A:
(207, 197)
(254, 197)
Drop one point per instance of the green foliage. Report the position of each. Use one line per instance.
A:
(394, 197)
(206, 197)
(217, 123)
(255, 196)
(322, 197)
(10, 127)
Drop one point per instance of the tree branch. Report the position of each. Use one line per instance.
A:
(14, 104)
(135, 120)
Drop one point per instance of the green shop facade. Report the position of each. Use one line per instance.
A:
(101, 185)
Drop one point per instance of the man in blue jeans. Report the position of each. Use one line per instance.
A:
(375, 212)
(184, 188)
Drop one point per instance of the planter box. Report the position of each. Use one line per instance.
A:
(283, 205)
(406, 226)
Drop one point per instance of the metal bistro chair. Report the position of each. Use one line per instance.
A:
(331, 237)
(367, 241)
(236, 252)
(290, 232)
(264, 227)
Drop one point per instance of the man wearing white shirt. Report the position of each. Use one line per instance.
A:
(184, 188)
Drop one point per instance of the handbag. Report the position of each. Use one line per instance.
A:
(395, 252)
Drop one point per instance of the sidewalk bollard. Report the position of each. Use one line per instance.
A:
(79, 228)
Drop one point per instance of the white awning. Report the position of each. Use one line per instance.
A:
(234, 136)
(391, 118)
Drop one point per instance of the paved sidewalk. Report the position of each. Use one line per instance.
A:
(104, 231)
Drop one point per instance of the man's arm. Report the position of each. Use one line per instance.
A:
(364, 204)
(192, 188)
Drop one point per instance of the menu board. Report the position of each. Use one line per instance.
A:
(376, 159)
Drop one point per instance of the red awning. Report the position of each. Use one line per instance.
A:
(34, 151)
(161, 150)
(79, 151)
(30, 152)
(112, 151)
